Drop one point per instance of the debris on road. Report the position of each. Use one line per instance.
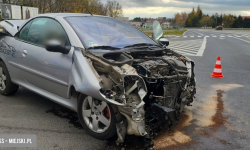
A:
(68, 114)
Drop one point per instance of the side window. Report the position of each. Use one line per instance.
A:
(44, 29)
(36, 30)
(54, 31)
(24, 32)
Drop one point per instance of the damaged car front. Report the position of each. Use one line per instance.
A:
(144, 83)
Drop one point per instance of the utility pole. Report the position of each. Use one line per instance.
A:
(216, 15)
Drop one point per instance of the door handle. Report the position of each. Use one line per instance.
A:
(24, 53)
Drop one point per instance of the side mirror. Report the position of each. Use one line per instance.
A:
(164, 41)
(56, 46)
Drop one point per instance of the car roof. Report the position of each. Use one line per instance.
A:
(53, 15)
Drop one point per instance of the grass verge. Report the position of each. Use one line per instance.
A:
(172, 32)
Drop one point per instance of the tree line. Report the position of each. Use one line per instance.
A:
(111, 8)
(196, 18)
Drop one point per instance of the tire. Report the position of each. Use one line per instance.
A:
(101, 123)
(6, 86)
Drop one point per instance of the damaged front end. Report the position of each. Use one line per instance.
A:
(149, 88)
(120, 83)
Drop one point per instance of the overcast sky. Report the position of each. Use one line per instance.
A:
(167, 8)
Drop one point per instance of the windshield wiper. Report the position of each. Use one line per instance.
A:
(104, 47)
(143, 45)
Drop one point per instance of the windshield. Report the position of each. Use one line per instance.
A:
(104, 31)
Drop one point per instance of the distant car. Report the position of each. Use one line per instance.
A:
(115, 77)
(219, 28)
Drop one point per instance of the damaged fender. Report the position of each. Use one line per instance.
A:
(128, 98)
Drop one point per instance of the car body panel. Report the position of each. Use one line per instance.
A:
(12, 26)
(70, 103)
(53, 71)
(84, 78)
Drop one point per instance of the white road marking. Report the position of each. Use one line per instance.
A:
(187, 47)
(214, 36)
(185, 36)
(241, 39)
(199, 33)
(191, 36)
(202, 48)
(199, 36)
(237, 35)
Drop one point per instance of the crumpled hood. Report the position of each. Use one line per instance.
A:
(12, 25)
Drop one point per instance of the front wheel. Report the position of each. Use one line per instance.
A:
(6, 86)
(97, 117)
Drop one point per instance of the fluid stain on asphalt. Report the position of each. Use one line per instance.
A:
(211, 116)
(205, 112)
(176, 136)
(165, 138)
(211, 113)
(131, 142)
(65, 113)
(218, 118)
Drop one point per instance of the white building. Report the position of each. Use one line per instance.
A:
(125, 19)
(135, 24)
(166, 25)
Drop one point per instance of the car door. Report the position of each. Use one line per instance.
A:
(48, 71)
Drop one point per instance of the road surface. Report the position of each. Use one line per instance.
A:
(218, 119)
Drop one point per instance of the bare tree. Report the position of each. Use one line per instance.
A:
(114, 9)
(181, 18)
(74, 6)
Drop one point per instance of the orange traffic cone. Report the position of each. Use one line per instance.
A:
(217, 69)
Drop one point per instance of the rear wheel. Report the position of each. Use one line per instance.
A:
(97, 117)
(6, 86)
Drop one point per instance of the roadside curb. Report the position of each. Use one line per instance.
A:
(184, 33)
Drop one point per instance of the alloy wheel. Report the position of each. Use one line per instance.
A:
(96, 114)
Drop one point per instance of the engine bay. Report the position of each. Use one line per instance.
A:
(151, 86)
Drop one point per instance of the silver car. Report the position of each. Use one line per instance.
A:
(119, 80)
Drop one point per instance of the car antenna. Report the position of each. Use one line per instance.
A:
(88, 10)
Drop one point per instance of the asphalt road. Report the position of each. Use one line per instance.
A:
(218, 119)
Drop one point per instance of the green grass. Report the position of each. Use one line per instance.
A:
(170, 29)
(171, 32)
(164, 29)
(177, 32)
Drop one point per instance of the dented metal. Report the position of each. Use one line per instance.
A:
(127, 83)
